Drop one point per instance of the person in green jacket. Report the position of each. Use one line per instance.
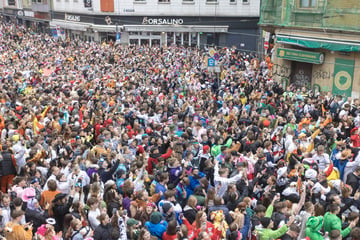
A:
(266, 233)
(313, 226)
(333, 222)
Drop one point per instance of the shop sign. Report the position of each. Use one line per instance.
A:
(162, 21)
(300, 56)
(73, 18)
(28, 13)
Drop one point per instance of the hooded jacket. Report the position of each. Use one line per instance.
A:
(158, 229)
(313, 225)
(156, 226)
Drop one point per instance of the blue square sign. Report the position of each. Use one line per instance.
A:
(211, 62)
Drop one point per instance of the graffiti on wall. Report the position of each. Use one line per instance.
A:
(281, 71)
(301, 79)
(321, 74)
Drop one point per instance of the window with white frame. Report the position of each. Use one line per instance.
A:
(232, 1)
(164, 1)
(308, 3)
(246, 1)
(211, 1)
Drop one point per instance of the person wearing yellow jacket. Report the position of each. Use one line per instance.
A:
(15, 231)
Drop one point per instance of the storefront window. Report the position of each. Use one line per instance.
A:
(170, 38)
(178, 39)
(186, 39)
(193, 39)
(155, 42)
(134, 41)
(144, 42)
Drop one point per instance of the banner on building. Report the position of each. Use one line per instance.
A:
(343, 76)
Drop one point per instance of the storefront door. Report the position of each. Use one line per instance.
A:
(301, 74)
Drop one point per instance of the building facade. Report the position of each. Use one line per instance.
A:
(32, 13)
(186, 22)
(314, 43)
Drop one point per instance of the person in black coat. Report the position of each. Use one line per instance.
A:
(353, 180)
(35, 214)
(103, 231)
(60, 208)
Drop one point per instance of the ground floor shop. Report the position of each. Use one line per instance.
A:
(318, 61)
(185, 31)
(38, 21)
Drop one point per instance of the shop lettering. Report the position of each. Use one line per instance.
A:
(281, 71)
(162, 21)
(318, 75)
(73, 18)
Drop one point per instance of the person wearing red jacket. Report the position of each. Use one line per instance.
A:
(153, 158)
(355, 137)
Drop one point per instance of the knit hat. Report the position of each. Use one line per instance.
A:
(315, 223)
(132, 222)
(141, 149)
(206, 148)
(266, 123)
(166, 207)
(155, 217)
(265, 221)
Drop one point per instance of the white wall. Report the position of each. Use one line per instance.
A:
(174, 8)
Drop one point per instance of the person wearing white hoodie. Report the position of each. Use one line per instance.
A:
(19, 152)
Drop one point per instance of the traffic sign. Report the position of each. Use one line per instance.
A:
(217, 56)
(211, 62)
(266, 45)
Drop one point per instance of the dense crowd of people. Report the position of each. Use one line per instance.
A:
(105, 141)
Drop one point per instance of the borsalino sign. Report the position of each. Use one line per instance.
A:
(162, 21)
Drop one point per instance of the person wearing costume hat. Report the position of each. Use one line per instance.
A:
(340, 164)
(59, 207)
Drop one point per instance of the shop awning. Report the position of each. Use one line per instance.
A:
(69, 25)
(329, 44)
(105, 28)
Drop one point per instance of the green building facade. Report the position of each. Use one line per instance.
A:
(314, 43)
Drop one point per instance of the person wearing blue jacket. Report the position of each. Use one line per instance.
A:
(156, 225)
(194, 181)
